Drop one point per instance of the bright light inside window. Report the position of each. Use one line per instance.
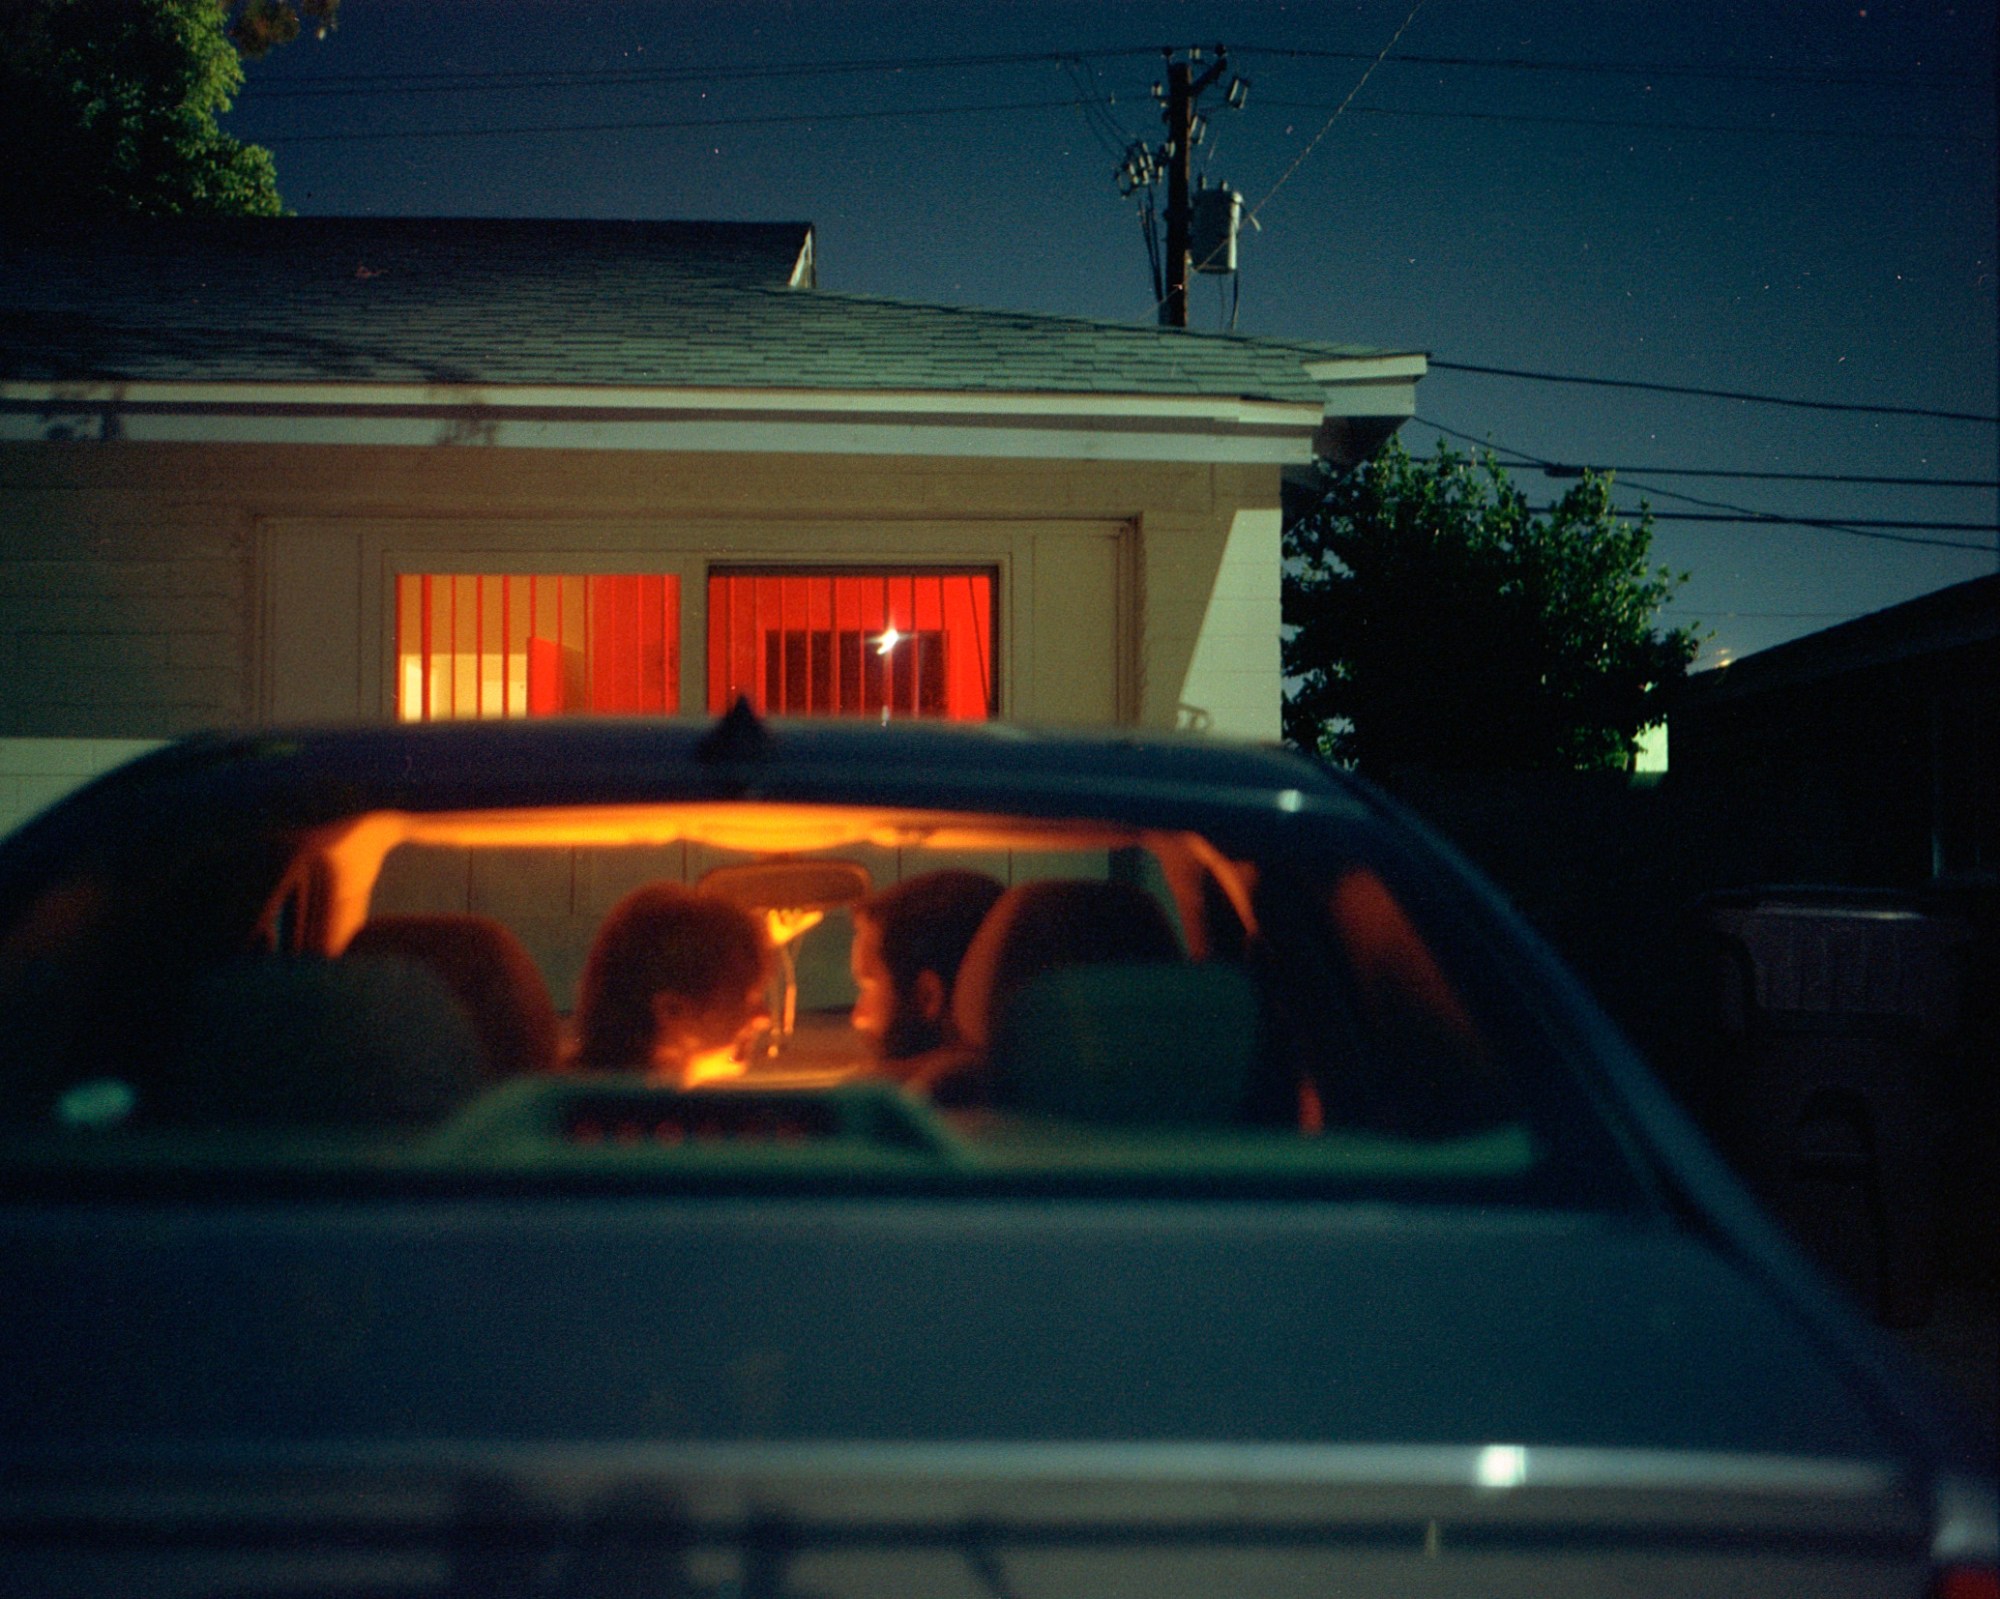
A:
(1502, 1466)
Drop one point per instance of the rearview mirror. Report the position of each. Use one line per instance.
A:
(790, 897)
(790, 884)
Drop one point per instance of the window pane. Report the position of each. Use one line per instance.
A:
(504, 644)
(917, 643)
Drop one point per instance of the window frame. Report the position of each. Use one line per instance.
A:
(302, 679)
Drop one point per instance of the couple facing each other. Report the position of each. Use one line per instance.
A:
(676, 980)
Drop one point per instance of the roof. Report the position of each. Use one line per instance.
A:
(468, 302)
(1931, 625)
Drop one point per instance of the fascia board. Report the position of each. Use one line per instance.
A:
(705, 438)
(1367, 368)
(913, 406)
(1055, 427)
(1392, 398)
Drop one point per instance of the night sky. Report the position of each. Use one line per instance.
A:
(1781, 199)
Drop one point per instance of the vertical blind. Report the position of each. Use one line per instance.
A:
(498, 645)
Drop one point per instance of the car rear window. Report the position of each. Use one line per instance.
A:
(412, 999)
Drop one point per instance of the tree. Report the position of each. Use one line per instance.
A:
(108, 107)
(1434, 621)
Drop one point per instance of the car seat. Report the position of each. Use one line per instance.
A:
(1131, 1044)
(304, 1042)
(485, 965)
(1032, 930)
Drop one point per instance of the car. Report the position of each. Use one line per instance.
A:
(1339, 1244)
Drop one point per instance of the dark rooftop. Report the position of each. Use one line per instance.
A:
(544, 302)
(1932, 624)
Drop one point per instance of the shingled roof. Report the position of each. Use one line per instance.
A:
(466, 302)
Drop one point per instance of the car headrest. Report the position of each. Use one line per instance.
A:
(1130, 1045)
(488, 969)
(1041, 927)
(274, 1042)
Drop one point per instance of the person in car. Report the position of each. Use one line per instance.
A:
(674, 986)
(908, 943)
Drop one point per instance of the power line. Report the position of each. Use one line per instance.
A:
(503, 80)
(1862, 529)
(1739, 515)
(1637, 69)
(774, 120)
(1872, 136)
(1096, 109)
(1105, 128)
(1554, 469)
(1713, 394)
(1298, 161)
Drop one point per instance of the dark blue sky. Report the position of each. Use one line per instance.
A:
(1779, 198)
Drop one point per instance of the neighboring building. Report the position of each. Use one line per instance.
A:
(346, 467)
(1852, 1050)
(1867, 753)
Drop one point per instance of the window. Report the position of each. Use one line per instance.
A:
(802, 642)
(853, 643)
(494, 645)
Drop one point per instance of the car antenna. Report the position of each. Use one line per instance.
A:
(740, 735)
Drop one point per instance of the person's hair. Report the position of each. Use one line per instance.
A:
(925, 924)
(661, 939)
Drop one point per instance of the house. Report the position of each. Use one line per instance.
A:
(318, 467)
(1867, 753)
(1862, 1018)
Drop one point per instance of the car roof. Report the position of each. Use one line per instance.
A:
(305, 776)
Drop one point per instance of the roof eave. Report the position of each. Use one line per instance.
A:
(1186, 427)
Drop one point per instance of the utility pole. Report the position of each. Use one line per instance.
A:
(1179, 115)
(1183, 91)
(1138, 177)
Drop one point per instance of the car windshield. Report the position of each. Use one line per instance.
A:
(934, 998)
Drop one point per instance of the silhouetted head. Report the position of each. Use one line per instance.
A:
(673, 974)
(908, 943)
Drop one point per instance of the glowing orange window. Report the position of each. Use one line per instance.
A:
(852, 643)
(473, 645)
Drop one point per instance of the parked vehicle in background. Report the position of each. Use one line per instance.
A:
(1335, 1243)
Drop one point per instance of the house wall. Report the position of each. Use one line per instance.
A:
(1229, 682)
(148, 589)
(36, 772)
(124, 600)
(1886, 775)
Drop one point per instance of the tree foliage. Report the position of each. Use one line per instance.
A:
(108, 107)
(1434, 620)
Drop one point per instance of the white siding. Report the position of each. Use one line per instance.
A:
(36, 772)
(1233, 684)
